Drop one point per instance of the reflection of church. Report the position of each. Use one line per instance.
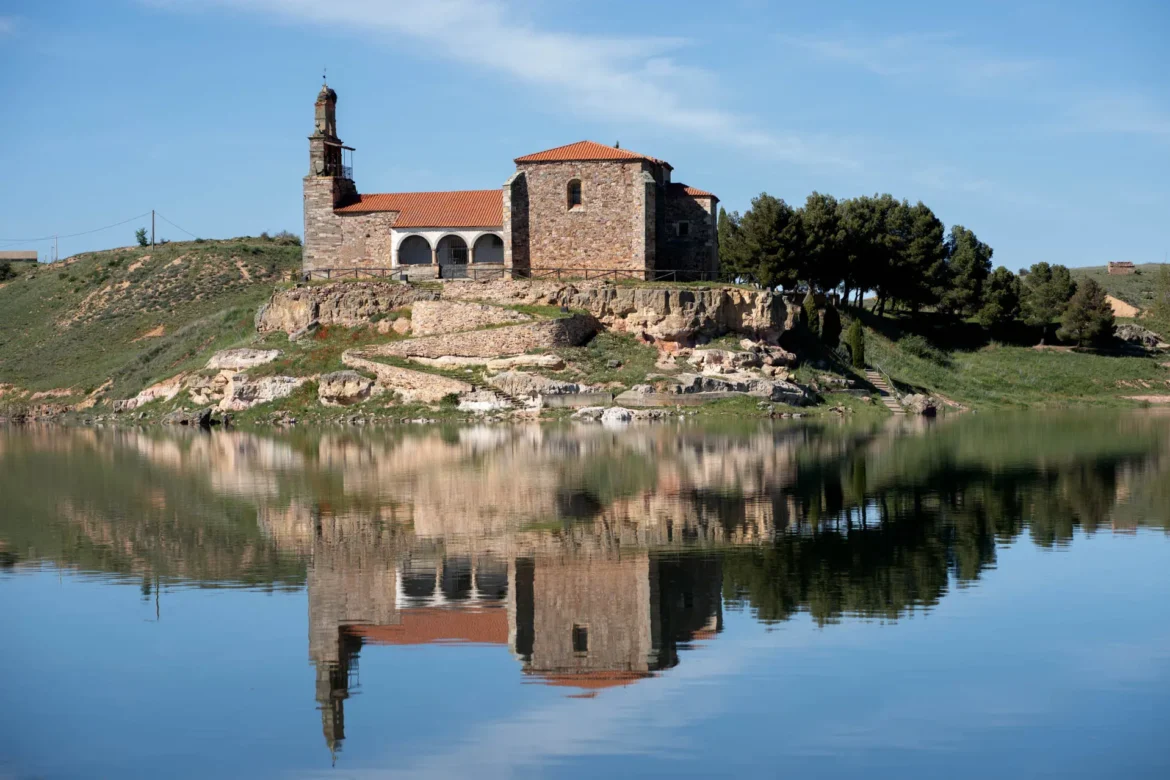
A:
(587, 624)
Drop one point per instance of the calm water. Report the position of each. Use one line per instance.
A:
(986, 596)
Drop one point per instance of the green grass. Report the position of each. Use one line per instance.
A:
(1001, 376)
(591, 362)
(75, 325)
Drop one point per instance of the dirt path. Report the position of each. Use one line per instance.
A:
(1123, 309)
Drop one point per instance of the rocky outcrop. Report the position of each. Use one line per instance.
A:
(247, 392)
(676, 315)
(344, 388)
(722, 361)
(241, 359)
(432, 318)
(1137, 335)
(497, 342)
(745, 383)
(349, 304)
(413, 386)
(164, 391)
(524, 385)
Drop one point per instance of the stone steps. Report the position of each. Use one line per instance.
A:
(888, 399)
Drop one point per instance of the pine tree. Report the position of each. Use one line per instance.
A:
(1044, 293)
(1001, 299)
(1088, 319)
(970, 264)
(140, 236)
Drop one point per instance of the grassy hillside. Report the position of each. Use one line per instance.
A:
(133, 315)
(963, 364)
(1136, 289)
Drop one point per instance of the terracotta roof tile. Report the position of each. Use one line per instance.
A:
(694, 192)
(587, 150)
(461, 208)
(428, 625)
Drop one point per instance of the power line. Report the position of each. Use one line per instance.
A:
(172, 224)
(75, 235)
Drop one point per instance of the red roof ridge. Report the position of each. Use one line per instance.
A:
(692, 191)
(441, 209)
(585, 151)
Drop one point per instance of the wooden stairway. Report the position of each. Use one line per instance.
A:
(887, 396)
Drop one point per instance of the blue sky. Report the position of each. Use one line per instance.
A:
(1043, 126)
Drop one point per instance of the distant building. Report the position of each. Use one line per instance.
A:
(1121, 268)
(19, 255)
(580, 206)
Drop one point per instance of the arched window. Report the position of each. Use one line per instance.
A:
(574, 193)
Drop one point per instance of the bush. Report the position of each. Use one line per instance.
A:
(449, 401)
(6, 271)
(140, 236)
(919, 347)
(855, 337)
(811, 316)
(285, 238)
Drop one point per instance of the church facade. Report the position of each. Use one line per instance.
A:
(580, 207)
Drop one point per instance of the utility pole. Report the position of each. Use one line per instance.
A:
(152, 228)
(55, 255)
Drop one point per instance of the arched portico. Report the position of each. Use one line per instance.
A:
(414, 250)
(488, 248)
(452, 250)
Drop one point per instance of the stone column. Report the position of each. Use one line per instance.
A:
(471, 253)
(435, 255)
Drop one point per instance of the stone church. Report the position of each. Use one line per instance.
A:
(580, 207)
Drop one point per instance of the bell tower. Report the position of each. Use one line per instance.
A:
(329, 184)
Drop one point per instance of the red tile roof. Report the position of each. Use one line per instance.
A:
(426, 625)
(694, 192)
(461, 208)
(587, 151)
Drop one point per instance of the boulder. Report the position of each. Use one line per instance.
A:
(590, 413)
(205, 390)
(748, 384)
(402, 326)
(616, 415)
(1137, 335)
(482, 401)
(344, 388)
(524, 385)
(241, 359)
(920, 404)
(247, 392)
(722, 361)
(546, 362)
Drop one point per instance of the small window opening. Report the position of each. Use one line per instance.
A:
(574, 193)
(580, 639)
(682, 229)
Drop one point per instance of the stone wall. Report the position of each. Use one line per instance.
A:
(511, 340)
(516, 254)
(697, 251)
(413, 386)
(431, 318)
(610, 228)
(335, 240)
(323, 228)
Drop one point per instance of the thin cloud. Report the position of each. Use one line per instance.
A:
(7, 25)
(632, 79)
(1122, 114)
(931, 55)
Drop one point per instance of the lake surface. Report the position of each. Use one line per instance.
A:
(982, 596)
